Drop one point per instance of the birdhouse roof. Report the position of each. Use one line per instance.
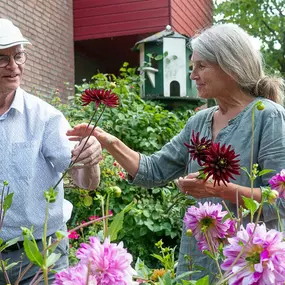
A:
(158, 37)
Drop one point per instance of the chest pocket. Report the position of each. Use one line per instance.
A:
(23, 158)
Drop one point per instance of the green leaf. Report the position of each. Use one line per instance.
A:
(166, 279)
(143, 231)
(117, 223)
(160, 258)
(9, 243)
(33, 253)
(203, 281)
(142, 270)
(250, 204)
(209, 254)
(246, 171)
(159, 57)
(146, 213)
(7, 202)
(265, 171)
(52, 259)
(88, 201)
(8, 266)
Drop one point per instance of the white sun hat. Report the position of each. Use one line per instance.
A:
(10, 35)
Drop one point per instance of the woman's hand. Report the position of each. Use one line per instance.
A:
(82, 130)
(198, 188)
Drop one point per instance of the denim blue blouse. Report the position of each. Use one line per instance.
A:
(269, 153)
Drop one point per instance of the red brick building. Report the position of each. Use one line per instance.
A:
(48, 24)
(97, 34)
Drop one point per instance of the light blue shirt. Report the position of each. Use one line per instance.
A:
(34, 151)
(269, 153)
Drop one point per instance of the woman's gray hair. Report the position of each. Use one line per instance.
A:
(233, 50)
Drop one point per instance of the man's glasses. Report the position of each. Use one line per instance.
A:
(19, 58)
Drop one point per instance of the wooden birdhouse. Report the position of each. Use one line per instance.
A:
(164, 64)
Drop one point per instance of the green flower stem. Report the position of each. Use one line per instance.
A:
(106, 214)
(177, 198)
(2, 210)
(211, 247)
(4, 270)
(223, 281)
(44, 240)
(228, 210)
(88, 272)
(103, 212)
(237, 209)
(72, 163)
(251, 157)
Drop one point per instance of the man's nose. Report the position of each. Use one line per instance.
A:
(12, 63)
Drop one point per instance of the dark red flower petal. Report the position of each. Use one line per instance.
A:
(100, 96)
(198, 148)
(221, 164)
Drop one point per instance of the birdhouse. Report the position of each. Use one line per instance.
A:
(164, 64)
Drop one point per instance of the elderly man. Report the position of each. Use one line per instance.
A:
(34, 152)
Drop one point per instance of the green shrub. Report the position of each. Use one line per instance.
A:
(144, 126)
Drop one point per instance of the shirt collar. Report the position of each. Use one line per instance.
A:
(18, 101)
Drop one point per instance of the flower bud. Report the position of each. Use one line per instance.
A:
(272, 196)
(260, 106)
(116, 190)
(113, 85)
(189, 233)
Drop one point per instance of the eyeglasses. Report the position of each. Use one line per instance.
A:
(19, 58)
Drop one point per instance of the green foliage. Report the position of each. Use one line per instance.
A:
(264, 19)
(145, 127)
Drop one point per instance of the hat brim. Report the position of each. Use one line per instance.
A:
(14, 42)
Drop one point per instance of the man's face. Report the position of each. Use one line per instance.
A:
(11, 75)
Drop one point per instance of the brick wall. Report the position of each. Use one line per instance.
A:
(48, 25)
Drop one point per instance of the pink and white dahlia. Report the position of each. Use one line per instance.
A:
(262, 257)
(110, 262)
(75, 275)
(206, 222)
(277, 182)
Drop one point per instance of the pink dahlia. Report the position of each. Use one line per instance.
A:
(206, 221)
(262, 261)
(110, 262)
(277, 182)
(74, 275)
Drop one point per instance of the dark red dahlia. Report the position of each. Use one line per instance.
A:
(198, 148)
(221, 163)
(100, 96)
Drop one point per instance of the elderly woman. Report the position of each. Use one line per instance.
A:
(228, 68)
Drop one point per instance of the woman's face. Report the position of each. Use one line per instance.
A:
(211, 80)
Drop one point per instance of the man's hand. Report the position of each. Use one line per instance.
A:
(90, 155)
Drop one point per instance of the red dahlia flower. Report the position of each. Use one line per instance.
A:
(221, 163)
(100, 96)
(198, 148)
